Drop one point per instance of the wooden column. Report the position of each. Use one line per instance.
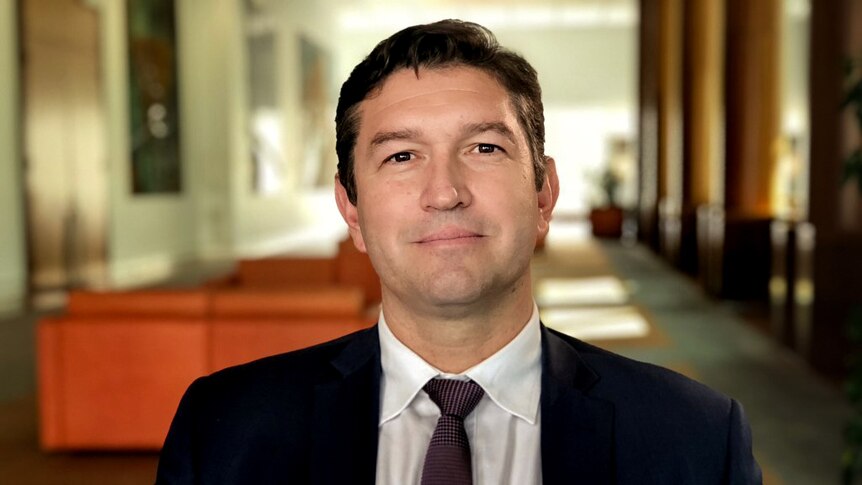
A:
(670, 127)
(752, 98)
(752, 94)
(661, 124)
(835, 210)
(648, 122)
(64, 144)
(703, 113)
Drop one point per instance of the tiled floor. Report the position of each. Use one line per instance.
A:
(796, 417)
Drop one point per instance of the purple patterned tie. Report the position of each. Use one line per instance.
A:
(448, 459)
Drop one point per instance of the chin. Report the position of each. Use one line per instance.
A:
(457, 290)
(453, 295)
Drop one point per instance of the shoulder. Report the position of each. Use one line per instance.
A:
(230, 424)
(280, 385)
(646, 389)
(270, 399)
(668, 428)
(300, 368)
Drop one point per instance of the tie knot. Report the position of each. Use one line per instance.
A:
(453, 397)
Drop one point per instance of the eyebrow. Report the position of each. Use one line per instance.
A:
(387, 136)
(469, 129)
(495, 126)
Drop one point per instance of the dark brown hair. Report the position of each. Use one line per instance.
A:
(440, 44)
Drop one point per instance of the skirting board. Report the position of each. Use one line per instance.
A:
(12, 294)
(140, 271)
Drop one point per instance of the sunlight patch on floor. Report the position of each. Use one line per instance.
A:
(593, 291)
(608, 323)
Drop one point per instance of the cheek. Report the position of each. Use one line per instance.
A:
(513, 193)
(383, 212)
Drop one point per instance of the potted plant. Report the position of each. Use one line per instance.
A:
(852, 458)
(853, 100)
(851, 461)
(606, 217)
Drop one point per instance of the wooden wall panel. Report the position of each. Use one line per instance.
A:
(648, 122)
(752, 104)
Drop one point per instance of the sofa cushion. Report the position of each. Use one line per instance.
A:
(280, 272)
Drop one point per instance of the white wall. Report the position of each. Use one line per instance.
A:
(218, 214)
(589, 88)
(297, 219)
(587, 74)
(209, 89)
(12, 252)
(589, 81)
(148, 235)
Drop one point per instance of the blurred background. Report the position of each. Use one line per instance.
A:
(710, 214)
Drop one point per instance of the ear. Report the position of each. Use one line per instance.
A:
(547, 197)
(350, 215)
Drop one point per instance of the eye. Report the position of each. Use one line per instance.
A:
(487, 148)
(400, 157)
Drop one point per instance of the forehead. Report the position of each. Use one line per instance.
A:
(432, 92)
(407, 81)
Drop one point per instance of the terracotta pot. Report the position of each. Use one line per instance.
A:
(607, 222)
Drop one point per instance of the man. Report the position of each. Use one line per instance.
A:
(443, 181)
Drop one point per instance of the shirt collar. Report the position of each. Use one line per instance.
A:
(510, 377)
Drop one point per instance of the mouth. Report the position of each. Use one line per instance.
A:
(450, 235)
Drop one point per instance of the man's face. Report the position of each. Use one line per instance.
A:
(447, 206)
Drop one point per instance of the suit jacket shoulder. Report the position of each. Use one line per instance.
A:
(270, 420)
(650, 424)
(653, 386)
(605, 419)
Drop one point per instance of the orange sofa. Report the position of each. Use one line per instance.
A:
(249, 324)
(112, 370)
(348, 268)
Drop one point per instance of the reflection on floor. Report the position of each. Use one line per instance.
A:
(598, 324)
(797, 418)
(619, 297)
(589, 291)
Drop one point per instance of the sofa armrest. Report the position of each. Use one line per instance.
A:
(236, 340)
(308, 302)
(114, 383)
(145, 303)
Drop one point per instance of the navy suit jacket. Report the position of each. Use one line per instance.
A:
(311, 416)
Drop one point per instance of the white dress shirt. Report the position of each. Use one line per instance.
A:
(504, 429)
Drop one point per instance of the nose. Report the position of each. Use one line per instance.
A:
(445, 186)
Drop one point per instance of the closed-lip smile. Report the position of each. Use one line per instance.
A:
(449, 234)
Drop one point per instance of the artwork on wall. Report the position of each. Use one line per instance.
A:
(318, 168)
(153, 98)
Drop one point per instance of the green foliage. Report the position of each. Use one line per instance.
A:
(853, 168)
(853, 101)
(610, 181)
(851, 460)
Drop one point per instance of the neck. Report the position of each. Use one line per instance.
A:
(456, 339)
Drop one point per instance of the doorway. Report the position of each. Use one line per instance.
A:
(64, 146)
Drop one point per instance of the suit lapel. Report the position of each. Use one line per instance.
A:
(345, 416)
(577, 430)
